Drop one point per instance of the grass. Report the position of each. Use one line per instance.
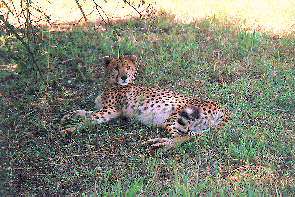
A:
(251, 73)
(268, 15)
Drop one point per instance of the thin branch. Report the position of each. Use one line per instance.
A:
(81, 9)
(12, 30)
(38, 9)
(86, 16)
(128, 2)
(98, 6)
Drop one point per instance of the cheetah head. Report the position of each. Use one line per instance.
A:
(121, 71)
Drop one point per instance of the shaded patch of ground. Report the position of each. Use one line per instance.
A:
(250, 73)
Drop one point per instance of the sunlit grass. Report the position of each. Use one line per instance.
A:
(272, 15)
(276, 16)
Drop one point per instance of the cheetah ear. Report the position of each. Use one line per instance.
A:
(107, 60)
(190, 113)
(133, 58)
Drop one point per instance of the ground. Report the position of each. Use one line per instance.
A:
(251, 73)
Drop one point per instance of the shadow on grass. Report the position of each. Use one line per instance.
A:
(251, 73)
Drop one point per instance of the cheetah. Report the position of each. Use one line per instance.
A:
(181, 116)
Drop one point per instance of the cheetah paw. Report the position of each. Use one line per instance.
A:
(76, 113)
(161, 142)
(81, 113)
(68, 131)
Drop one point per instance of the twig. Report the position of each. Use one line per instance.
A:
(11, 29)
(85, 15)
(98, 6)
(128, 2)
(38, 9)
(81, 9)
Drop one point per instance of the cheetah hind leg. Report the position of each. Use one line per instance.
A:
(167, 142)
(178, 131)
(178, 126)
(161, 142)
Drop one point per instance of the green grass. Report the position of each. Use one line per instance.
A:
(251, 73)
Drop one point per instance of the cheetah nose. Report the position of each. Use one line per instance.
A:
(124, 77)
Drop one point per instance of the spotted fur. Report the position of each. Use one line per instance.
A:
(118, 72)
(180, 115)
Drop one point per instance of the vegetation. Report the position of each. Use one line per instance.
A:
(251, 73)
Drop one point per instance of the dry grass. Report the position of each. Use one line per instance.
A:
(271, 15)
(276, 16)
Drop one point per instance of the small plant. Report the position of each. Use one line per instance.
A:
(135, 188)
(248, 42)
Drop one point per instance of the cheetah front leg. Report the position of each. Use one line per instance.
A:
(101, 116)
(105, 115)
